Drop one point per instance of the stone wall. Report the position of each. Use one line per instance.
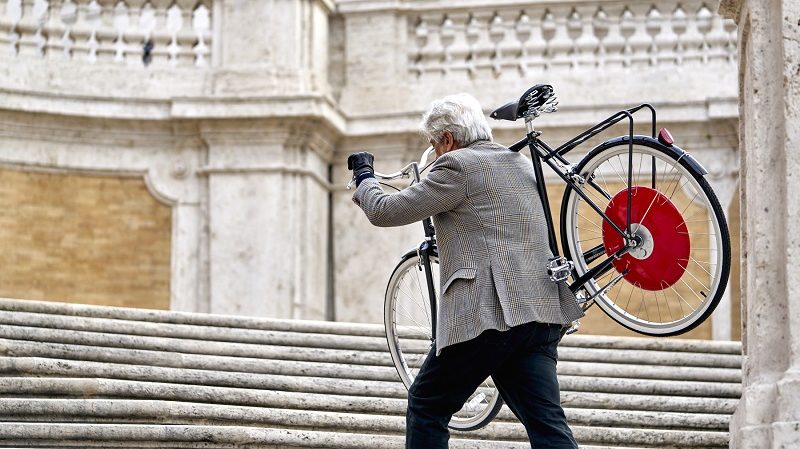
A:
(89, 239)
(243, 117)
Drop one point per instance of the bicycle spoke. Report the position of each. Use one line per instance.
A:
(698, 280)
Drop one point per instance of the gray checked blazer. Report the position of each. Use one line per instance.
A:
(492, 238)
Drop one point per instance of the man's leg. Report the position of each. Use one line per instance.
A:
(528, 383)
(444, 383)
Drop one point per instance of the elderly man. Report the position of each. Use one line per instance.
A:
(500, 314)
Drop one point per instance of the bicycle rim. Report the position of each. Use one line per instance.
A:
(675, 280)
(407, 318)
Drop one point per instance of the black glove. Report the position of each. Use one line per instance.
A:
(361, 164)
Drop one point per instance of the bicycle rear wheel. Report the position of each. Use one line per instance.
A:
(672, 281)
(407, 318)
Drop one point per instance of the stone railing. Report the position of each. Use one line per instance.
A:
(128, 32)
(564, 35)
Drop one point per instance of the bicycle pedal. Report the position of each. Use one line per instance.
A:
(573, 327)
(559, 268)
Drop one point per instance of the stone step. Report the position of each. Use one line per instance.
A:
(337, 328)
(198, 436)
(174, 412)
(114, 388)
(316, 384)
(297, 364)
(343, 342)
(99, 374)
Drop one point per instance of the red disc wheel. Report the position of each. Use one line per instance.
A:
(661, 257)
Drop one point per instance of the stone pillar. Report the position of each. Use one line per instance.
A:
(272, 46)
(267, 161)
(768, 415)
(268, 206)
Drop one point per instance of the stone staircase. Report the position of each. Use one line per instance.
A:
(88, 376)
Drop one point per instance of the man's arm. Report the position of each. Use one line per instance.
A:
(442, 190)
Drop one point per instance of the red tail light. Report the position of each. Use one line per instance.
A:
(665, 137)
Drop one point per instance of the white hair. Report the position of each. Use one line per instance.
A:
(461, 114)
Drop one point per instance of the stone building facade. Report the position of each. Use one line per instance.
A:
(190, 154)
(768, 415)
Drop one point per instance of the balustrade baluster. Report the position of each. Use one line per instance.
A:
(523, 30)
(574, 29)
(600, 27)
(717, 39)
(420, 41)
(79, 29)
(730, 42)
(174, 24)
(458, 50)
(446, 37)
(432, 53)
(587, 42)
(472, 34)
(121, 25)
(12, 17)
(483, 47)
(508, 46)
(560, 45)
(664, 40)
(704, 24)
(679, 28)
(653, 24)
(53, 28)
(186, 36)
(640, 41)
(106, 33)
(201, 24)
(69, 17)
(26, 28)
(160, 35)
(535, 45)
(92, 16)
(693, 38)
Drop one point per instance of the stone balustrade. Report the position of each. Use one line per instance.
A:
(128, 32)
(566, 35)
(111, 377)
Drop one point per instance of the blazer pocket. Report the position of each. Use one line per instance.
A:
(461, 273)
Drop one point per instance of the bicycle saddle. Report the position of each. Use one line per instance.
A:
(534, 102)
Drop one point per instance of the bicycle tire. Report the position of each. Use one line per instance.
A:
(409, 344)
(639, 271)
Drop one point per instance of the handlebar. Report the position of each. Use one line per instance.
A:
(405, 172)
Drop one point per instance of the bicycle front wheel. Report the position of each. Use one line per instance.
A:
(407, 318)
(676, 275)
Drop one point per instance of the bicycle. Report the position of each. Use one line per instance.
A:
(632, 229)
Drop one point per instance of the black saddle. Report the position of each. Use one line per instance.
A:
(534, 102)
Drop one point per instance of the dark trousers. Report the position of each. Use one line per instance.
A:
(522, 362)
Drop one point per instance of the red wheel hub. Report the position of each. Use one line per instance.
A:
(661, 257)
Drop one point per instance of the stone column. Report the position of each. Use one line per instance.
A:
(267, 161)
(768, 415)
(268, 206)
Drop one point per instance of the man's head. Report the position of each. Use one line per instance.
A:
(454, 122)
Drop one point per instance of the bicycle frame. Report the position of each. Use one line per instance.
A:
(554, 158)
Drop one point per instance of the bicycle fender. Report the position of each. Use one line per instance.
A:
(676, 151)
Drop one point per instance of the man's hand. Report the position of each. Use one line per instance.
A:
(361, 164)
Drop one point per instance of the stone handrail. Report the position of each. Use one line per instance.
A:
(102, 376)
(125, 32)
(564, 35)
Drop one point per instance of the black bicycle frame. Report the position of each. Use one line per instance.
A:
(541, 152)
